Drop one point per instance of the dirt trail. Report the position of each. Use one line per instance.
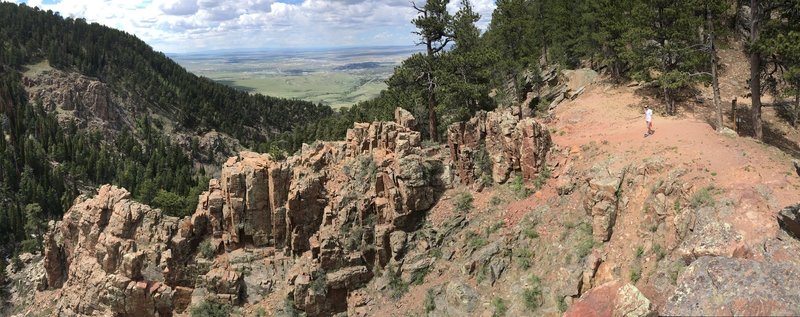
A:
(613, 119)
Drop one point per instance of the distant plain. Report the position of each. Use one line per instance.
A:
(338, 77)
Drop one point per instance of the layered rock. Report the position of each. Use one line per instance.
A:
(113, 256)
(603, 202)
(511, 145)
(320, 221)
(716, 286)
(76, 97)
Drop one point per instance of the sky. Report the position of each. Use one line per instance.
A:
(182, 26)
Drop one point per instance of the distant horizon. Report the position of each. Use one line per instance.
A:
(292, 49)
(188, 26)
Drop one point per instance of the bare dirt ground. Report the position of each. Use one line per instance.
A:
(752, 179)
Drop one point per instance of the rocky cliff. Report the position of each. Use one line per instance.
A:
(311, 229)
(379, 225)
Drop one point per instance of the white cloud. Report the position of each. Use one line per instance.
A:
(196, 25)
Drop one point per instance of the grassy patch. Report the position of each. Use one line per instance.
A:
(529, 229)
(635, 274)
(659, 251)
(532, 295)
(429, 303)
(499, 307)
(703, 197)
(418, 276)
(495, 227)
(475, 240)
(397, 287)
(496, 201)
(562, 303)
(462, 202)
(542, 178)
(261, 312)
(676, 271)
(524, 258)
(639, 252)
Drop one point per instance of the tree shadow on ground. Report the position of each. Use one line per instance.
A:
(772, 134)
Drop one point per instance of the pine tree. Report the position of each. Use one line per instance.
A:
(433, 26)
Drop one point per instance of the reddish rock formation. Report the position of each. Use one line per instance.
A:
(612, 299)
(112, 256)
(323, 217)
(510, 144)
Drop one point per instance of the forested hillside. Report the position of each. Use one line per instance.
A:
(670, 46)
(44, 163)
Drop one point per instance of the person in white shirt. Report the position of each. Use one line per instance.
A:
(648, 118)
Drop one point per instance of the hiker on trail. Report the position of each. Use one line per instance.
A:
(648, 118)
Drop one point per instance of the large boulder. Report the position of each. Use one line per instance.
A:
(717, 286)
(612, 299)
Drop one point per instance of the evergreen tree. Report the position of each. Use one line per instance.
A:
(433, 24)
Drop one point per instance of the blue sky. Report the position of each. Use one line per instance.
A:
(176, 26)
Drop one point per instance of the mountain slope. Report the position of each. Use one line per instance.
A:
(83, 104)
(125, 62)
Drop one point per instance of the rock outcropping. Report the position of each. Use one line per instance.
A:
(501, 142)
(730, 286)
(321, 220)
(113, 256)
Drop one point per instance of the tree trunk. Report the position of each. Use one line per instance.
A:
(668, 101)
(432, 122)
(796, 109)
(733, 115)
(714, 75)
(755, 70)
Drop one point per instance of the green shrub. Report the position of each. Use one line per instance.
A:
(320, 284)
(397, 287)
(495, 227)
(418, 276)
(532, 295)
(659, 251)
(475, 240)
(703, 197)
(366, 169)
(529, 229)
(430, 303)
(675, 271)
(499, 306)
(261, 312)
(636, 274)
(496, 201)
(207, 250)
(16, 263)
(483, 163)
(562, 303)
(584, 247)
(524, 257)
(211, 309)
(639, 252)
(542, 178)
(518, 187)
(463, 202)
